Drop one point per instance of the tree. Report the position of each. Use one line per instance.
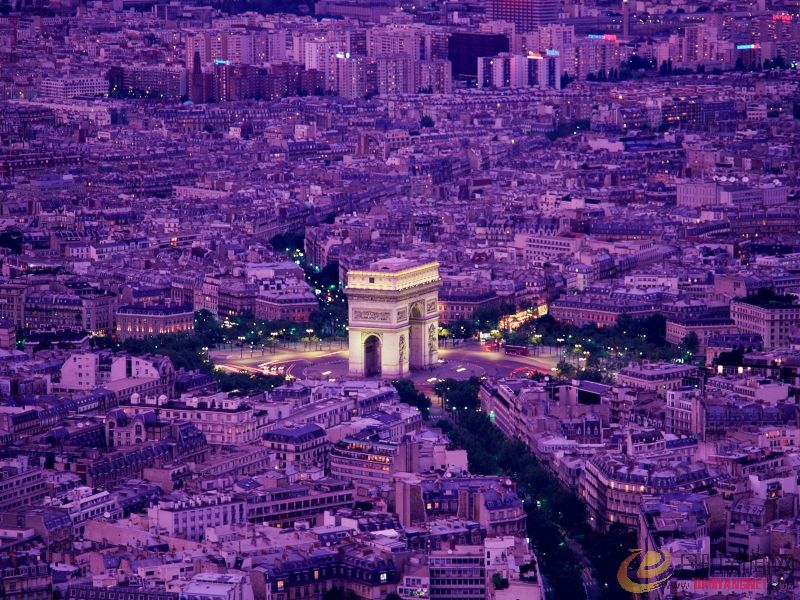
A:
(337, 593)
(487, 317)
(565, 369)
(590, 375)
(499, 582)
(459, 395)
(462, 329)
(207, 328)
(636, 62)
(409, 394)
(691, 342)
(247, 384)
(11, 239)
(733, 358)
(426, 121)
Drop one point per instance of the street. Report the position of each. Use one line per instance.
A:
(466, 360)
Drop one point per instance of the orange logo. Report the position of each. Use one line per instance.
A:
(655, 569)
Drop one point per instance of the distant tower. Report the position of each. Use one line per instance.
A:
(626, 19)
(196, 87)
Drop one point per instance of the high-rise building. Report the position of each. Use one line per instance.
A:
(466, 47)
(534, 69)
(526, 15)
(626, 19)
(356, 76)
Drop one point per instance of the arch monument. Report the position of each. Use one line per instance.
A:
(393, 317)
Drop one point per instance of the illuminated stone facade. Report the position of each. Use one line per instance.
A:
(394, 320)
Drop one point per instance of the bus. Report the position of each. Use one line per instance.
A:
(518, 350)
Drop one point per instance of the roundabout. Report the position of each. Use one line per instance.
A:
(468, 359)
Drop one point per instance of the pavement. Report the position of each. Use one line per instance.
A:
(463, 361)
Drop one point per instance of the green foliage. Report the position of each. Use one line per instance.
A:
(733, 358)
(499, 582)
(207, 328)
(488, 317)
(426, 121)
(590, 375)
(485, 318)
(337, 593)
(565, 369)
(463, 329)
(288, 242)
(691, 342)
(564, 129)
(11, 239)
(602, 348)
(636, 62)
(409, 394)
(190, 351)
(247, 384)
(767, 298)
(331, 317)
(459, 395)
(557, 518)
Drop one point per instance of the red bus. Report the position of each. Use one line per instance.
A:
(519, 350)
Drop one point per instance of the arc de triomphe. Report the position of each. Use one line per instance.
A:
(394, 317)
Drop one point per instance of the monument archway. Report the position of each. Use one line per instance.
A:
(372, 356)
(394, 317)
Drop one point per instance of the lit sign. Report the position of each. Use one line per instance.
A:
(535, 56)
(342, 55)
(782, 17)
(553, 53)
(220, 61)
(748, 46)
(608, 37)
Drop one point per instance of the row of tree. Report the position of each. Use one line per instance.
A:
(557, 522)
(190, 351)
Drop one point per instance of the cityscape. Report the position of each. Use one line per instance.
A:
(399, 299)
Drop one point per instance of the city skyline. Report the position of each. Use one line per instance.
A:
(399, 300)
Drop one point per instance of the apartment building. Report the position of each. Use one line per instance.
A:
(776, 322)
(139, 322)
(223, 420)
(189, 517)
(657, 377)
(21, 484)
(613, 486)
(304, 501)
(296, 445)
(367, 460)
(458, 573)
